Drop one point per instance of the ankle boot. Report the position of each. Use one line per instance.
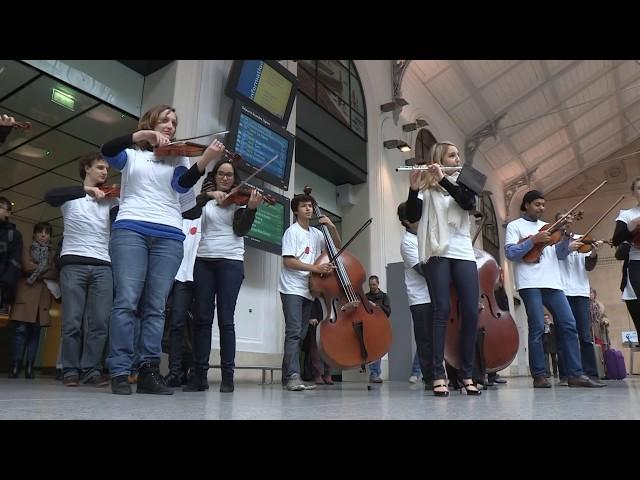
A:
(227, 381)
(14, 371)
(28, 370)
(197, 381)
(150, 380)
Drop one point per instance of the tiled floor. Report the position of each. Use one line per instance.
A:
(44, 398)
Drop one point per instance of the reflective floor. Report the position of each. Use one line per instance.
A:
(44, 398)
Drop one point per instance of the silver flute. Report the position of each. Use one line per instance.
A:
(409, 168)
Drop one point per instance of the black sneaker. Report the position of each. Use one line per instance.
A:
(197, 381)
(150, 381)
(120, 385)
(173, 379)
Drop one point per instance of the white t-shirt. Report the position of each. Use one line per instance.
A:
(192, 234)
(628, 293)
(146, 194)
(417, 289)
(460, 246)
(306, 246)
(575, 281)
(626, 216)
(546, 273)
(218, 239)
(87, 227)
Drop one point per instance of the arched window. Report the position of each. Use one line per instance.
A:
(424, 141)
(490, 238)
(335, 86)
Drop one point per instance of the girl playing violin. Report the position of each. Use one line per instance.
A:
(628, 229)
(146, 242)
(218, 271)
(444, 241)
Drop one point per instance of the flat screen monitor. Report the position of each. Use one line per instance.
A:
(265, 85)
(258, 140)
(269, 225)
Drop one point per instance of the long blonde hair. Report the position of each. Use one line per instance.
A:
(150, 119)
(436, 155)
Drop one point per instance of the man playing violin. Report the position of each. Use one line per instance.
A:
(574, 266)
(539, 285)
(85, 271)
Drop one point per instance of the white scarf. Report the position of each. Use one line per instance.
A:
(440, 213)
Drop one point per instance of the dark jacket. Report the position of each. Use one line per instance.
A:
(381, 299)
(10, 257)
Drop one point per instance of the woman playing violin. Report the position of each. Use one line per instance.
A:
(218, 270)
(146, 243)
(628, 229)
(6, 126)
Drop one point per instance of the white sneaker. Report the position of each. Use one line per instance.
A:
(413, 379)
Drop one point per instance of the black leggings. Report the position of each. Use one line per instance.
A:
(441, 272)
(634, 310)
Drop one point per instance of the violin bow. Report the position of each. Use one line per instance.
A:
(199, 136)
(566, 215)
(602, 217)
(259, 170)
(355, 235)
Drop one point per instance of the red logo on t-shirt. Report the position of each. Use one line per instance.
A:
(193, 230)
(306, 250)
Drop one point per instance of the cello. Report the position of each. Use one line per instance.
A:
(358, 333)
(501, 338)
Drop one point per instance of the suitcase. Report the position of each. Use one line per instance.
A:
(614, 363)
(597, 352)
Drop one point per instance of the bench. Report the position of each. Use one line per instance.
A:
(264, 369)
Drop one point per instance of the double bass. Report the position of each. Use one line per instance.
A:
(501, 338)
(358, 333)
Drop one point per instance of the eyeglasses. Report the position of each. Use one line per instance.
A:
(225, 175)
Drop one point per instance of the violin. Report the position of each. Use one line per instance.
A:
(240, 195)
(190, 149)
(557, 234)
(360, 333)
(586, 239)
(112, 190)
(22, 125)
(635, 241)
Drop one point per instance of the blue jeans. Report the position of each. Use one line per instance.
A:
(415, 368)
(182, 302)
(442, 272)
(422, 315)
(566, 335)
(87, 291)
(375, 369)
(580, 308)
(216, 280)
(140, 263)
(27, 335)
(297, 312)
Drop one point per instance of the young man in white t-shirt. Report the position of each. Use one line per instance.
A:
(575, 283)
(301, 246)
(418, 294)
(86, 280)
(539, 285)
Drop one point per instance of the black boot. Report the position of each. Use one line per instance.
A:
(14, 371)
(197, 381)
(227, 381)
(150, 380)
(28, 370)
(174, 378)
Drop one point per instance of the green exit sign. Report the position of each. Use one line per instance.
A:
(63, 99)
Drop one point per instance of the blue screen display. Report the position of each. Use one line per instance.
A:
(258, 144)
